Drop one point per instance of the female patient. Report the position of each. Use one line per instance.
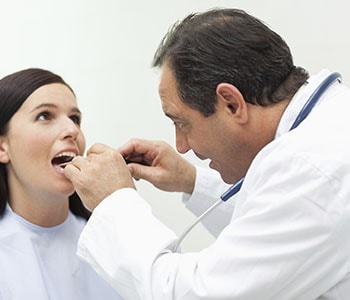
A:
(40, 215)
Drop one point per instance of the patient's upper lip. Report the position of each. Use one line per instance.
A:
(68, 151)
(64, 157)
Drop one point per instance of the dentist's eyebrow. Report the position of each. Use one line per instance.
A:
(170, 116)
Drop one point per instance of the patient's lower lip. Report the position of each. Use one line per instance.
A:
(59, 169)
(60, 166)
(64, 165)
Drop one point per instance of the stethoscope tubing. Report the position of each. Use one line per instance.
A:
(315, 96)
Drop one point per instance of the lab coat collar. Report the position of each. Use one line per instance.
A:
(298, 101)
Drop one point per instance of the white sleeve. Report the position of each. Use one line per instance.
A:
(121, 241)
(283, 242)
(208, 188)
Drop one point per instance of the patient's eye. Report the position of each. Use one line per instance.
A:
(76, 118)
(44, 116)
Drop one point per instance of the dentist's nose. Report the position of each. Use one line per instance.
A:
(182, 145)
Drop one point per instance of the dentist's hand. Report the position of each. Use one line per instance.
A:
(158, 163)
(98, 175)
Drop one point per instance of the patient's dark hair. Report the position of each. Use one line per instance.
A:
(14, 90)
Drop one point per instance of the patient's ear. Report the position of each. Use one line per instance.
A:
(4, 157)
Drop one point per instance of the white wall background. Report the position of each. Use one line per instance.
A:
(104, 49)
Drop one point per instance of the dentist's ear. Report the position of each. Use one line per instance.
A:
(231, 99)
(4, 157)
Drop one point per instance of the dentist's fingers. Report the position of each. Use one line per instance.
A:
(71, 171)
(98, 148)
(140, 151)
(99, 175)
(73, 168)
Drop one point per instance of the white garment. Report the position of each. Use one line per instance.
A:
(40, 263)
(288, 238)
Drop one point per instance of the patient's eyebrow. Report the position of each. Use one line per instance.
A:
(44, 105)
(51, 105)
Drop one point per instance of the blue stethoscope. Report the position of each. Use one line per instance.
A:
(235, 188)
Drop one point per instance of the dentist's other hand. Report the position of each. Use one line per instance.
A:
(158, 163)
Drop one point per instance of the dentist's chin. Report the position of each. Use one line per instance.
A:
(213, 166)
(201, 157)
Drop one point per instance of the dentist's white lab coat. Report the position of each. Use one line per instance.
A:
(288, 237)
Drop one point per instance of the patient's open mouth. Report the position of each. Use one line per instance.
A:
(63, 159)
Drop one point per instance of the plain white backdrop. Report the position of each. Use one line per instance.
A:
(104, 50)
